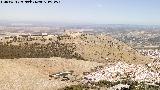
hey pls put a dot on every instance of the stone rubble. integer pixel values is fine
(121, 70)
(119, 87)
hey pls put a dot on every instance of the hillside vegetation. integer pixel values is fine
(102, 48)
(37, 50)
(99, 48)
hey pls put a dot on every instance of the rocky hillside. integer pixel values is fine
(121, 76)
(120, 71)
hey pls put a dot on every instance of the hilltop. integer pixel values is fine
(103, 48)
(89, 47)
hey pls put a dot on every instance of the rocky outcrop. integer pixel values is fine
(121, 70)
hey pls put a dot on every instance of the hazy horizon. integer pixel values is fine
(137, 12)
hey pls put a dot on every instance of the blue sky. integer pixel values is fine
(86, 11)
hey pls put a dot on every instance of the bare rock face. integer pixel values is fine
(121, 70)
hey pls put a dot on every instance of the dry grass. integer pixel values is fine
(32, 74)
(101, 48)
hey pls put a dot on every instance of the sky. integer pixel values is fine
(86, 11)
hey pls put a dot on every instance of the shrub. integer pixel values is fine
(39, 51)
